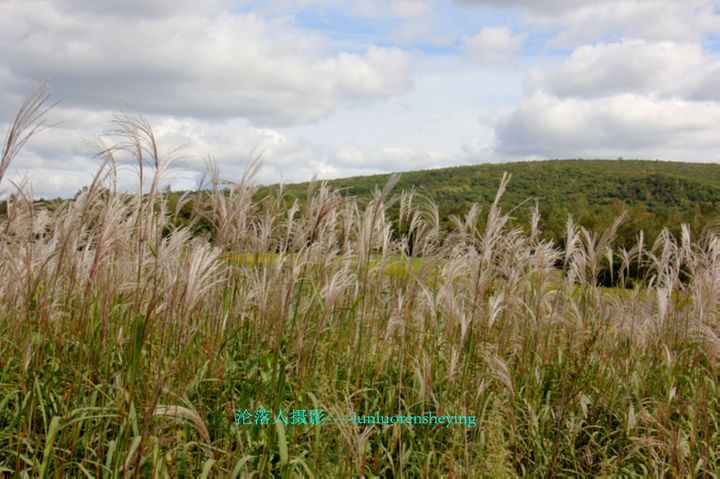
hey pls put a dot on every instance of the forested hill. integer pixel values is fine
(655, 194)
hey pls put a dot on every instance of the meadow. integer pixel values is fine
(128, 344)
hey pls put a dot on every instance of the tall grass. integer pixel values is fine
(127, 344)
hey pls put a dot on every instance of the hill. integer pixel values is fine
(655, 194)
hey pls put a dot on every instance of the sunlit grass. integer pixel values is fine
(127, 345)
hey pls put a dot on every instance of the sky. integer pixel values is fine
(329, 88)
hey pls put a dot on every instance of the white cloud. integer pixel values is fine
(630, 125)
(476, 149)
(193, 65)
(663, 69)
(706, 88)
(288, 156)
(389, 159)
(655, 20)
(142, 8)
(364, 8)
(232, 145)
(492, 44)
(546, 5)
(580, 21)
(632, 98)
(395, 8)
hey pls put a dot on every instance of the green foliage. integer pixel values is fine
(133, 327)
(655, 194)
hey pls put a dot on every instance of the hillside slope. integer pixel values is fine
(655, 194)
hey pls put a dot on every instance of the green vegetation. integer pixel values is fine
(128, 343)
(653, 194)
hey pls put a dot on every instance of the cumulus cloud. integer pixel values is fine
(142, 8)
(547, 5)
(389, 159)
(635, 93)
(492, 44)
(223, 66)
(580, 21)
(625, 124)
(287, 156)
(706, 88)
(395, 8)
(232, 145)
(663, 69)
(365, 8)
(655, 20)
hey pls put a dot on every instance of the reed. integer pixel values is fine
(128, 344)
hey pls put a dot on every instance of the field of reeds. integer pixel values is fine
(128, 344)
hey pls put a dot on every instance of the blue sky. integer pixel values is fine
(329, 88)
(440, 29)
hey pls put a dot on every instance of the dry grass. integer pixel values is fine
(127, 344)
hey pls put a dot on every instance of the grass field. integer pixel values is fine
(128, 347)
